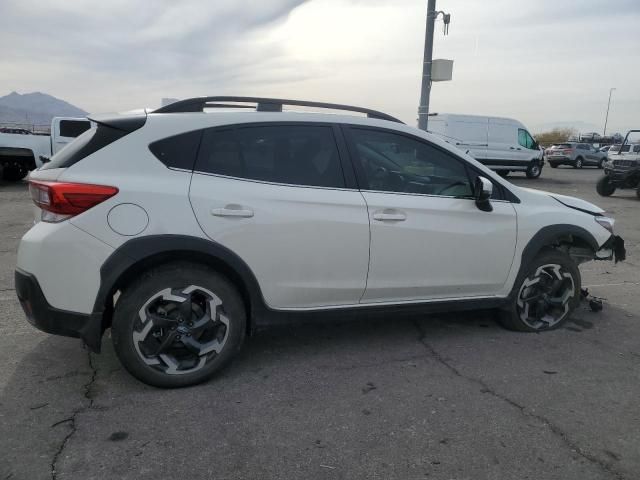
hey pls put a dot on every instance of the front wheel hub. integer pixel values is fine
(545, 296)
(178, 330)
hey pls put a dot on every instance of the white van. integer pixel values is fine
(502, 144)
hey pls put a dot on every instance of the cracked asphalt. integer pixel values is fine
(438, 397)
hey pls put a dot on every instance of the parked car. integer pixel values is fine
(21, 151)
(577, 155)
(622, 170)
(502, 144)
(184, 231)
(589, 137)
(605, 149)
(15, 130)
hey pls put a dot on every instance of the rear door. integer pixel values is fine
(428, 238)
(277, 196)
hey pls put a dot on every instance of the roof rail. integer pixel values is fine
(198, 104)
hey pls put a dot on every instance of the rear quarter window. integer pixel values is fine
(178, 151)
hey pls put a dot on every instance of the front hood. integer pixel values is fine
(571, 202)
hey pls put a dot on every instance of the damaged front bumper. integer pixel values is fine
(613, 248)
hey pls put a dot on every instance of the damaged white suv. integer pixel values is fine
(186, 228)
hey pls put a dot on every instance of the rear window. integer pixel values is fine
(73, 128)
(89, 142)
(562, 145)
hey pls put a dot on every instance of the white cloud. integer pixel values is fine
(541, 62)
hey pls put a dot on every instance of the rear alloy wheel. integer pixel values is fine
(605, 187)
(534, 171)
(178, 325)
(546, 295)
(577, 163)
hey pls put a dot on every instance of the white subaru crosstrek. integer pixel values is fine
(184, 230)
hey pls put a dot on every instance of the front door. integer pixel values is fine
(428, 238)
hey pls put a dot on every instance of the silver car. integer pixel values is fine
(575, 154)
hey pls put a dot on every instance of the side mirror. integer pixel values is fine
(483, 189)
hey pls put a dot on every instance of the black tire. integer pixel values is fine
(534, 171)
(638, 191)
(553, 165)
(604, 187)
(503, 173)
(13, 173)
(223, 315)
(549, 267)
(579, 163)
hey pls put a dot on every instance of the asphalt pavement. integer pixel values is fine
(438, 397)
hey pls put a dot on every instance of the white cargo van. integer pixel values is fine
(502, 144)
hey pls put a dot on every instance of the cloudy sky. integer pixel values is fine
(543, 62)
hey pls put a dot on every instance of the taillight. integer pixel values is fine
(61, 200)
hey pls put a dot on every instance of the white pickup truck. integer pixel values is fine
(22, 151)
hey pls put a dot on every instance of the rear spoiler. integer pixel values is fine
(127, 122)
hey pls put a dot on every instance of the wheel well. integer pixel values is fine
(134, 271)
(577, 247)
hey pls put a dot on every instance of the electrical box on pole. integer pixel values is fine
(441, 70)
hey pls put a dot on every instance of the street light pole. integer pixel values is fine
(606, 119)
(425, 92)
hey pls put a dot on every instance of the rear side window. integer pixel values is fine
(89, 142)
(178, 151)
(73, 128)
(290, 154)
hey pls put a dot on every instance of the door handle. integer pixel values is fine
(390, 216)
(232, 211)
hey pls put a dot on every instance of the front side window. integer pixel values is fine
(525, 139)
(396, 163)
(291, 154)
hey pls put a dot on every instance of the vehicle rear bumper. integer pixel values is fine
(53, 320)
(560, 160)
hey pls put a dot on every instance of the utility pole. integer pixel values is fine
(425, 92)
(606, 119)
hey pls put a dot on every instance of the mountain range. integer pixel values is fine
(35, 108)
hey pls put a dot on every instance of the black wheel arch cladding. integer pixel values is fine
(552, 234)
(139, 254)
